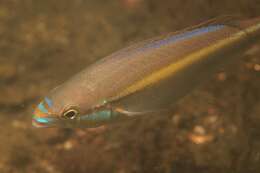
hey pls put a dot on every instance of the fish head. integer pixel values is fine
(70, 108)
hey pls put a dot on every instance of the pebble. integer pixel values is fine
(68, 145)
(199, 135)
(200, 139)
(212, 119)
(257, 67)
(222, 76)
(199, 130)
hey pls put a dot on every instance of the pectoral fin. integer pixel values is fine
(138, 113)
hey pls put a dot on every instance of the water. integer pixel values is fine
(214, 129)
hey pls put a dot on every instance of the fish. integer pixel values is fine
(146, 77)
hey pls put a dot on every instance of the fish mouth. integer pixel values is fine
(40, 119)
(41, 114)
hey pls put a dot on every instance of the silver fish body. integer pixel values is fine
(153, 74)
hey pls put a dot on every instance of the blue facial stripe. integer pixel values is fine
(182, 36)
(43, 120)
(42, 108)
(48, 101)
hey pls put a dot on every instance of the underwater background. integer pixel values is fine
(215, 129)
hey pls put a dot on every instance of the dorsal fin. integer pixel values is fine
(229, 20)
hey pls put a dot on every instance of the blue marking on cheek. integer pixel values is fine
(48, 101)
(42, 120)
(42, 108)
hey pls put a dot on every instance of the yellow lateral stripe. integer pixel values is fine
(177, 66)
(254, 28)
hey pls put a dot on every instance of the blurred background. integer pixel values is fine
(215, 129)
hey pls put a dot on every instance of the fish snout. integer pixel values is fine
(41, 115)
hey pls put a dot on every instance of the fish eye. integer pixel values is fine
(70, 113)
